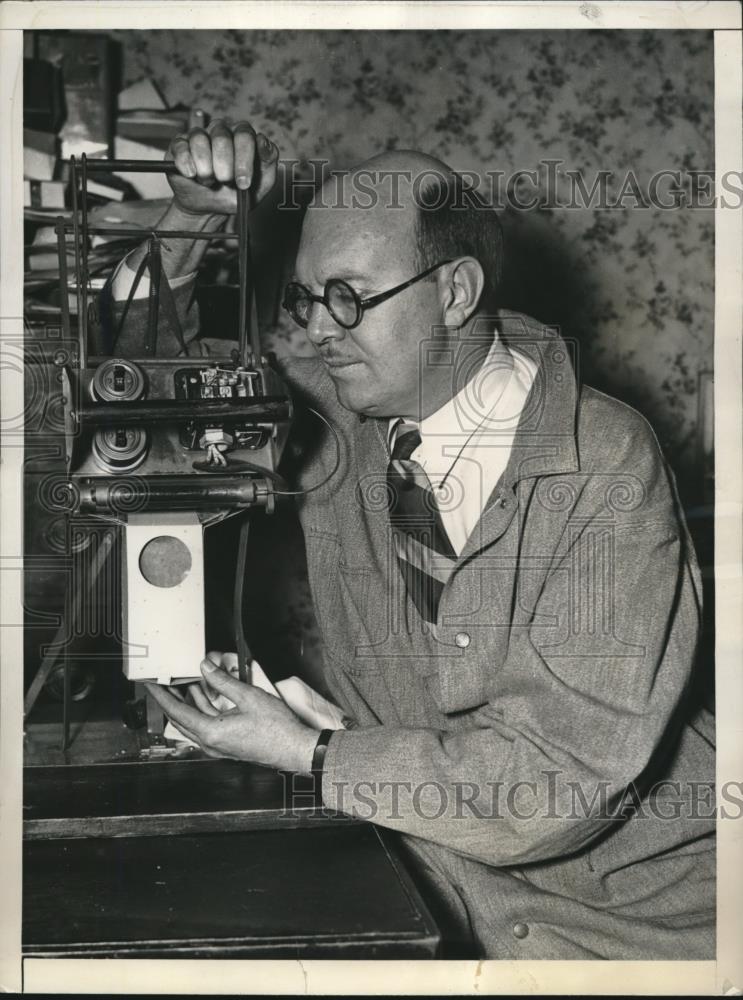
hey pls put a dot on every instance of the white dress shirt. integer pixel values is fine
(123, 276)
(465, 445)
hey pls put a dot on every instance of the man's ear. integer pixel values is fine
(461, 284)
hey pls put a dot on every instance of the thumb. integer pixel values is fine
(218, 678)
(227, 661)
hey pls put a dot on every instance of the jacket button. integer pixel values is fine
(462, 640)
(520, 930)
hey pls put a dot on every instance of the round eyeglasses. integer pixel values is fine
(343, 303)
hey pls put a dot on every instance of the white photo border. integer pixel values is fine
(723, 976)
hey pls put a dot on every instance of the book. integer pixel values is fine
(107, 186)
(46, 236)
(46, 215)
(43, 194)
(43, 264)
(47, 260)
(39, 154)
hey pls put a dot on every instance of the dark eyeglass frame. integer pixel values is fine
(361, 304)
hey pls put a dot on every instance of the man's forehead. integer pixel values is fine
(355, 236)
(353, 217)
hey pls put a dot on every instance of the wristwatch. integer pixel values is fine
(318, 759)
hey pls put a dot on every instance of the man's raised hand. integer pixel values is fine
(213, 162)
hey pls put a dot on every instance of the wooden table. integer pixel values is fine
(198, 859)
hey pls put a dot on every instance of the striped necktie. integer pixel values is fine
(424, 552)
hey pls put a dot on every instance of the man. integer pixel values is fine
(508, 596)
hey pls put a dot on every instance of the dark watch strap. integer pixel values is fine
(318, 758)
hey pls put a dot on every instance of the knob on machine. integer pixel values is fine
(118, 379)
(121, 449)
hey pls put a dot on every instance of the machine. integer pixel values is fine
(161, 448)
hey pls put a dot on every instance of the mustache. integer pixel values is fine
(333, 357)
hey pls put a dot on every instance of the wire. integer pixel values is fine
(103, 517)
(336, 466)
(222, 515)
(243, 652)
(236, 465)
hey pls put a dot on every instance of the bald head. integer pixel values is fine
(400, 178)
(414, 206)
(391, 183)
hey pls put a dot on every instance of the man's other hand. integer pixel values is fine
(260, 728)
(215, 161)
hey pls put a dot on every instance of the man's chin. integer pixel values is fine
(357, 399)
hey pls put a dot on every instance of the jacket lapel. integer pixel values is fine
(544, 443)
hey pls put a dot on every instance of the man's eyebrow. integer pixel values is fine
(361, 276)
(344, 274)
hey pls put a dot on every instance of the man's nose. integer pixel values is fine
(322, 327)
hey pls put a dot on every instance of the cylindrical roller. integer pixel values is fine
(256, 410)
(132, 495)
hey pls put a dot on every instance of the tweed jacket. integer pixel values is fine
(536, 748)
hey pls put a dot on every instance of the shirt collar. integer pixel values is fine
(545, 441)
(486, 390)
(549, 415)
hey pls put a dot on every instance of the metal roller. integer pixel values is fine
(134, 495)
(257, 410)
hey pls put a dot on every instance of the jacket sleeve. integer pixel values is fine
(574, 726)
(127, 339)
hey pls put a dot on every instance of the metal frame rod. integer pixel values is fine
(255, 338)
(243, 265)
(82, 346)
(66, 707)
(64, 297)
(141, 233)
(83, 319)
(132, 166)
(153, 297)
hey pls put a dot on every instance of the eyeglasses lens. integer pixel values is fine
(297, 303)
(342, 302)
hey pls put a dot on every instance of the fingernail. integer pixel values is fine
(208, 667)
(242, 181)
